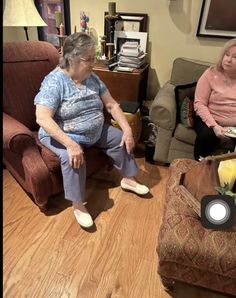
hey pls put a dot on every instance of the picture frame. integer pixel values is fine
(217, 19)
(50, 33)
(136, 22)
(139, 19)
(122, 36)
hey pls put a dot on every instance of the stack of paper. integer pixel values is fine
(131, 55)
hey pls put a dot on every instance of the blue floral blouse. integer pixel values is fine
(79, 109)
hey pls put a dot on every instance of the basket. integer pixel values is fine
(135, 123)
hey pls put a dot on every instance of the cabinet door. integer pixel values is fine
(124, 85)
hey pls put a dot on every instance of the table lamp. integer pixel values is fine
(22, 13)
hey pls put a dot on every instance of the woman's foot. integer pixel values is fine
(130, 184)
(82, 216)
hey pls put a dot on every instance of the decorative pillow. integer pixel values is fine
(184, 95)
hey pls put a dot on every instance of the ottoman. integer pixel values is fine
(187, 251)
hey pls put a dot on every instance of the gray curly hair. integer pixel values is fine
(229, 44)
(75, 45)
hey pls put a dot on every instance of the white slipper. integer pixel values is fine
(139, 189)
(84, 218)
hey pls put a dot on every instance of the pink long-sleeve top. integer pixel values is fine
(215, 99)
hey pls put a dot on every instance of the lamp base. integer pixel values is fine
(26, 33)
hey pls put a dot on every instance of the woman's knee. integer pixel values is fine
(116, 136)
(64, 157)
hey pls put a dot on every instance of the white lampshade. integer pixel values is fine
(21, 13)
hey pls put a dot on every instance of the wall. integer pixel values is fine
(172, 32)
(18, 34)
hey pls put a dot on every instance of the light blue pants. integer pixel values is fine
(74, 180)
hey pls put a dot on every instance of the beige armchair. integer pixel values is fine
(174, 140)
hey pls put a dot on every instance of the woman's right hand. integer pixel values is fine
(76, 155)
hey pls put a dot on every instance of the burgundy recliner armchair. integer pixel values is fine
(36, 168)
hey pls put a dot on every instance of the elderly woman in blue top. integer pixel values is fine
(69, 110)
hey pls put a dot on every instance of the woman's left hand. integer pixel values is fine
(128, 141)
(220, 132)
(114, 109)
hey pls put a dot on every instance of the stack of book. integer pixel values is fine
(131, 55)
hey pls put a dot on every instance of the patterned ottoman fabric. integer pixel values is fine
(187, 251)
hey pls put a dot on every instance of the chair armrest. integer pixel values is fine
(16, 136)
(163, 108)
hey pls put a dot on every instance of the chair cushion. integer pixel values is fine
(186, 71)
(185, 134)
(51, 160)
(184, 95)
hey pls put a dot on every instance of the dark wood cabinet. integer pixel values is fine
(130, 86)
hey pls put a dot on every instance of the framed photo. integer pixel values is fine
(136, 22)
(217, 19)
(123, 36)
(123, 25)
(47, 9)
(129, 20)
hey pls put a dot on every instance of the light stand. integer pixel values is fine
(111, 19)
(26, 33)
(111, 25)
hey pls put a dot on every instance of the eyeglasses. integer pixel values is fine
(89, 60)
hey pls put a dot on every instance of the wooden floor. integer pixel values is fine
(49, 255)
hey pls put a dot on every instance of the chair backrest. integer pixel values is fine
(187, 71)
(25, 64)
